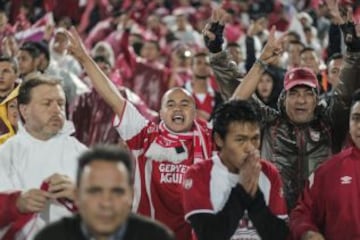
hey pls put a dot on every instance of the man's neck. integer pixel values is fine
(38, 135)
(5, 93)
(200, 85)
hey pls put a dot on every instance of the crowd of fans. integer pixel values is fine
(196, 91)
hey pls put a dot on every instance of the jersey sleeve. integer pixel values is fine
(302, 218)
(196, 190)
(277, 203)
(132, 126)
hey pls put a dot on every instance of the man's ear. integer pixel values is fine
(161, 113)
(76, 196)
(218, 140)
(23, 111)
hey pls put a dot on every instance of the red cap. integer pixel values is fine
(300, 76)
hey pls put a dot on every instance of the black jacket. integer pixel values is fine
(138, 228)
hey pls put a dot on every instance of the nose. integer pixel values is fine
(56, 108)
(249, 146)
(301, 98)
(106, 200)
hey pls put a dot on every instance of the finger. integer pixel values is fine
(225, 18)
(61, 194)
(36, 206)
(210, 35)
(60, 187)
(40, 197)
(349, 15)
(216, 15)
(271, 38)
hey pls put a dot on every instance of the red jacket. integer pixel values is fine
(330, 203)
(8, 212)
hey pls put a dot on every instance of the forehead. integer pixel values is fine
(177, 94)
(238, 128)
(300, 88)
(46, 91)
(335, 63)
(355, 109)
(309, 54)
(201, 58)
(24, 53)
(101, 171)
(5, 64)
(60, 36)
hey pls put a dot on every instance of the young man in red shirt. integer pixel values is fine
(235, 195)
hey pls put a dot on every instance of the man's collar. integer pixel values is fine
(118, 234)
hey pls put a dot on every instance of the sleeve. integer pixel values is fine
(334, 40)
(227, 78)
(132, 126)
(302, 217)
(199, 211)
(341, 99)
(9, 213)
(129, 56)
(222, 225)
(250, 52)
(226, 73)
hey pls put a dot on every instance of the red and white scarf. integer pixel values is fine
(170, 146)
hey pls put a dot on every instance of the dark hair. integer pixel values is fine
(102, 59)
(107, 153)
(232, 44)
(307, 49)
(294, 34)
(200, 54)
(156, 43)
(24, 96)
(33, 51)
(10, 60)
(355, 97)
(307, 29)
(233, 111)
(335, 56)
(42, 46)
(297, 42)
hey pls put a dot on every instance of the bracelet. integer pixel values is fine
(262, 64)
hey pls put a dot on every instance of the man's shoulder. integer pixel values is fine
(69, 226)
(150, 229)
(200, 167)
(333, 162)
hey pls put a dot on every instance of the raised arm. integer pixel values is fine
(225, 71)
(101, 82)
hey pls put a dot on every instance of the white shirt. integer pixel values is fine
(26, 162)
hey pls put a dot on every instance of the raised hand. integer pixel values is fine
(75, 45)
(272, 49)
(334, 11)
(213, 31)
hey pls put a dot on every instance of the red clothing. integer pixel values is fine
(100, 32)
(92, 117)
(207, 188)
(161, 160)
(330, 203)
(149, 80)
(8, 211)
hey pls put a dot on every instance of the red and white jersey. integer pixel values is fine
(159, 168)
(208, 184)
